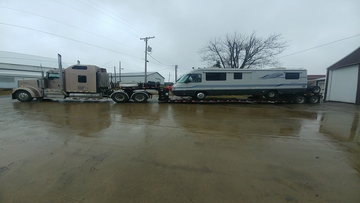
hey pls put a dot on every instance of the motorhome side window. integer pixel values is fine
(52, 76)
(215, 76)
(237, 76)
(82, 79)
(292, 76)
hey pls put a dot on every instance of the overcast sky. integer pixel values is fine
(108, 31)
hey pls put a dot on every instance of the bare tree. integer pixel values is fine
(242, 51)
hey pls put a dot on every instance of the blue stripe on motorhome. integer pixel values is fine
(223, 86)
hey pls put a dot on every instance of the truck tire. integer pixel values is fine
(314, 99)
(200, 95)
(120, 97)
(140, 97)
(271, 94)
(23, 96)
(299, 99)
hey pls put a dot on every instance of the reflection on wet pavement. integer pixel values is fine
(71, 151)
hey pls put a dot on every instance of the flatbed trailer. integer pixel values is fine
(164, 97)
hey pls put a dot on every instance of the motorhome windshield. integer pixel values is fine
(190, 78)
(183, 79)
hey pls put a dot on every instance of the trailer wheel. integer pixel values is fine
(314, 99)
(299, 99)
(271, 94)
(120, 97)
(200, 95)
(316, 89)
(140, 97)
(23, 96)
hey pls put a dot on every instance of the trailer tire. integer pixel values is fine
(200, 95)
(314, 99)
(23, 96)
(316, 89)
(120, 97)
(299, 99)
(271, 94)
(140, 97)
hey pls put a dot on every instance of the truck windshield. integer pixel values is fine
(52, 76)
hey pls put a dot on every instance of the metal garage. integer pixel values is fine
(343, 80)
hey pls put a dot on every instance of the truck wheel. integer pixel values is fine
(299, 99)
(120, 97)
(200, 95)
(140, 97)
(314, 99)
(23, 96)
(316, 89)
(271, 94)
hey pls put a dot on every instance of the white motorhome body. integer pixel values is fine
(268, 82)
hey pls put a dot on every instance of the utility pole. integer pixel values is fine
(176, 67)
(146, 44)
(119, 72)
(115, 75)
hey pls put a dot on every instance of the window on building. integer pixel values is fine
(292, 76)
(237, 76)
(80, 67)
(215, 76)
(7, 79)
(82, 79)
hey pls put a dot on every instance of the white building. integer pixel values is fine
(16, 66)
(343, 79)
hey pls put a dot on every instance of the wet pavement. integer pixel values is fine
(72, 151)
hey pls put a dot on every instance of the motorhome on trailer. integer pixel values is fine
(271, 83)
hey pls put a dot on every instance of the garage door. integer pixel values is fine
(342, 84)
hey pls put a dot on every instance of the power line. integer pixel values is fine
(159, 61)
(163, 44)
(320, 46)
(96, 17)
(69, 26)
(18, 26)
(128, 23)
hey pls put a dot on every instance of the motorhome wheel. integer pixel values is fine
(200, 95)
(271, 94)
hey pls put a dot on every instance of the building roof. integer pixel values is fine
(351, 59)
(314, 77)
(26, 59)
